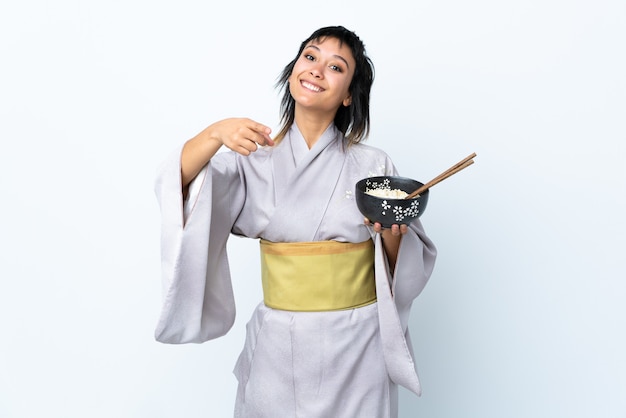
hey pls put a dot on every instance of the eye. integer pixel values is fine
(336, 68)
(309, 57)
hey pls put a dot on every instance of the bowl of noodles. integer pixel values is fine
(382, 199)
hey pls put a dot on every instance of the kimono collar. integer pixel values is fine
(300, 149)
(304, 181)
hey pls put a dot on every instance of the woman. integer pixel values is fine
(330, 338)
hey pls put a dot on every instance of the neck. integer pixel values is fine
(312, 125)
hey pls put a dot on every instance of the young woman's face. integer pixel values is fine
(321, 76)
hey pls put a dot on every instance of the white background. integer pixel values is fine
(524, 315)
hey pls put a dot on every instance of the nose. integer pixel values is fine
(316, 71)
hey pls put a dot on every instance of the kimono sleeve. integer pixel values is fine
(414, 264)
(198, 303)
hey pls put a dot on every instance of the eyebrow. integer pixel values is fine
(336, 56)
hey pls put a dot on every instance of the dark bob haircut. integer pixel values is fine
(354, 120)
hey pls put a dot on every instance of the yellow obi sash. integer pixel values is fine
(317, 276)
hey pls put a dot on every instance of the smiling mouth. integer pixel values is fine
(311, 87)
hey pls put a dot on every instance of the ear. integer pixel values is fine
(347, 101)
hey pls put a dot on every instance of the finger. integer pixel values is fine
(395, 230)
(259, 127)
(263, 140)
(404, 229)
(261, 133)
(245, 146)
(242, 150)
(248, 145)
(267, 140)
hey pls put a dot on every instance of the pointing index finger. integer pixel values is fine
(264, 131)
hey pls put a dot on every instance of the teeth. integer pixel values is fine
(311, 86)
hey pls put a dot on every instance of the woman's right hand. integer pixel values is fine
(241, 135)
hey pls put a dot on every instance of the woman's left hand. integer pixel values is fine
(391, 238)
(395, 230)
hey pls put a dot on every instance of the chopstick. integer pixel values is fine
(465, 162)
